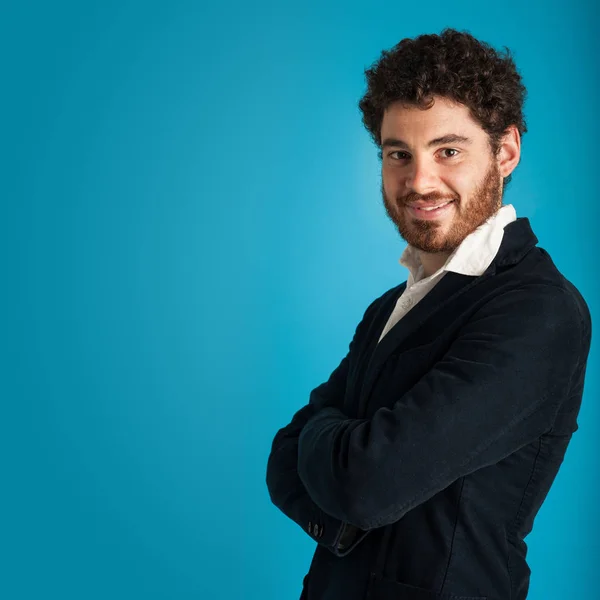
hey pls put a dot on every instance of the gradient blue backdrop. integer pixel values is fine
(192, 229)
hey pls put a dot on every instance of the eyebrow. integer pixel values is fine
(450, 138)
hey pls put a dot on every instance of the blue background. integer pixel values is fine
(192, 229)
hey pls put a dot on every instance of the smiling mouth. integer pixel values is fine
(432, 208)
(430, 213)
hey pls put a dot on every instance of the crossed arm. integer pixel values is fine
(497, 389)
(286, 490)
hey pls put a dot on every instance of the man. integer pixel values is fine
(419, 466)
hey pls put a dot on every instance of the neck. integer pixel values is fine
(432, 262)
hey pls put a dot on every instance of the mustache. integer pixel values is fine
(433, 197)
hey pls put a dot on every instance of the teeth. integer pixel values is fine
(436, 207)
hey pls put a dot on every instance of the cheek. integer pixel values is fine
(465, 179)
(391, 183)
(460, 184)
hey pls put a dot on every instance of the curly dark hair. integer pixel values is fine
(453, 64)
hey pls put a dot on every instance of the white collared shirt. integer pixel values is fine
(472, 257)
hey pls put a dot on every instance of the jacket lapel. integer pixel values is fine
(517, 241)
(447, 289)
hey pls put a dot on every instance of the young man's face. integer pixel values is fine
(415, 173)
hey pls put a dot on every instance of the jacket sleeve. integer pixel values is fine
(496, 389)
(286, 490)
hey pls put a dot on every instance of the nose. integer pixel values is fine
(421, 177)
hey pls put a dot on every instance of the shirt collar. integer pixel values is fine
(474, 254)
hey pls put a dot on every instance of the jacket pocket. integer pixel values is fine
(387, 589)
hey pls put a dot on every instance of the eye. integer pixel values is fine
(450, 150)
(391, 155)
(404, 155)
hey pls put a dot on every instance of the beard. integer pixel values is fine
(435, 236)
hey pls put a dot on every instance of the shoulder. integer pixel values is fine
(541, 275)
(537, 291)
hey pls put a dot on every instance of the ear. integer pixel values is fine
(509, 152)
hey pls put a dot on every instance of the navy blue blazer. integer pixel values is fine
(419, 465)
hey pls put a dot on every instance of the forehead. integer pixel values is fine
(445, 116)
